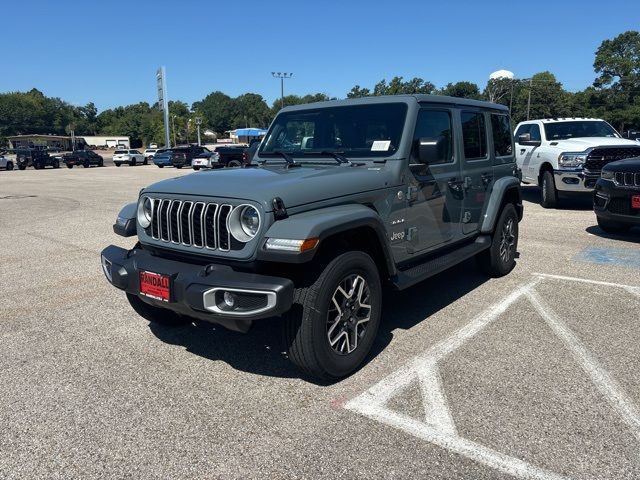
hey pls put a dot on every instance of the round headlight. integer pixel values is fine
(244, 223)
(145, 208)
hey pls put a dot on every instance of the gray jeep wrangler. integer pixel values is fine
(343, 197)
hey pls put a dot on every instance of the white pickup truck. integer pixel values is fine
(565, 155)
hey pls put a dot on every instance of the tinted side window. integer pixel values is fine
(501, 135)
(434, 124)
(474, 135)
(535, 132)
(522, 129)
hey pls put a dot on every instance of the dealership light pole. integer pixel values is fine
(163, 102)
(173, 122)
(281, 76)
(198, 123)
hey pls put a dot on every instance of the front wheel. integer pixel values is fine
(332, 325)
(56, 163)
(86, 164)
(22, 167)
(132, 163)
(234, 164)
(612, 227)
(160, 166)
(178, 166)
(196, 168)
(117, 164)
(69, 166)
(145, 162)
(549, 193)
(500, 258)
(9, 165)
(157, 315)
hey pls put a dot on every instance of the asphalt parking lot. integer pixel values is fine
(534, 375)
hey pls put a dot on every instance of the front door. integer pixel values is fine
(435, 192)
(525, 153)
(476, 165)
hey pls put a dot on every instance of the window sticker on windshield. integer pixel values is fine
(380, 145)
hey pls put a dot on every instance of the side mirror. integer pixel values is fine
(525, 139)
(431, 149)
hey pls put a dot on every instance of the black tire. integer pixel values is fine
(196, 168)
(22, 167)
(86, 164)
(145, 162)
(69, 166)
(178, 166)
(500, 258)
(548, 191)
(9, 166)
(117, 164)
(160, 316)
(612, 227)
(307, 327)
(160, 166)
(132, 163)
(56, 163)
(101, 163)
(234, 164)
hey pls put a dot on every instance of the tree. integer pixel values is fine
(498, 89)
(358, 92)
(462, 90)
(217, 110)
(250, 110)
(548, 98)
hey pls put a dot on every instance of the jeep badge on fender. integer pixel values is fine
(311, 231)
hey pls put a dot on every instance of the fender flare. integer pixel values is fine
(323, 223)
(125, 225)
(494, 205)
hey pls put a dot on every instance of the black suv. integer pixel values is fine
(35, 157)
(179, 156)
(86, 158)
(616, 200)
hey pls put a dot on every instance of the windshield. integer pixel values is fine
(578, 129)
(121, 151)
(355, 131)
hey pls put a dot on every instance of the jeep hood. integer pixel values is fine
(296, 186)
(581, 144)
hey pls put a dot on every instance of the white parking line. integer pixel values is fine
(438, 426)
(612, 391)
(630, 288)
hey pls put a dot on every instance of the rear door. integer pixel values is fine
(477, 167)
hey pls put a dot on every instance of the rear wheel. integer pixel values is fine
(145, 162)
(234, 164)
(332, 325)
(22, 167)
(612, 227)
(196, 168)
(160, 166)
(9, 165)
(101, 163)
(500, 258)
(86, 164)
(549, 193)
(178, 166)
(69, 165)
(56, 163)
(117, 164)
(157, 315)
(132, 162)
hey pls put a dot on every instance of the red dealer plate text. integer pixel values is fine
(155, 285)
(635, 201)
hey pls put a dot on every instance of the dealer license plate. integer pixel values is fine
(635, 201)
(155, 285)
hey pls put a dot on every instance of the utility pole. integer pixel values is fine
(198, 122)
(188, 122)
(163, 102)
(529, 101)
(281, 76)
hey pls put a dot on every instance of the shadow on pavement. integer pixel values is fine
(632, 235)
(261, 350)
(573, 202)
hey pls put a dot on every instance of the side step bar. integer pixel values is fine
(413, 275)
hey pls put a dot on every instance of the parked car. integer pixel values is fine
(153, 146)
(37, 158)
(5, 163)
(86, 158)
(414, 185)
(178, 156)
(206, 160)
(616, 200)
(251, 151)
(129, 157)
(149, 153)
(565, 155)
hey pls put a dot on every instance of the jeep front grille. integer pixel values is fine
(196, 224)
(599, 157)
(627, 179)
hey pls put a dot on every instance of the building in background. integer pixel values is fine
(245, 135)
(64, 143)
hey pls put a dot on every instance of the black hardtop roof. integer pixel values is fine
(418, 98)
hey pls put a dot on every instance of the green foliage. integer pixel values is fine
(461, 90)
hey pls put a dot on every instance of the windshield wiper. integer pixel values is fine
(338, 156)
(288, 158)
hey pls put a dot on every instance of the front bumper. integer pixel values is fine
(194, 288)
(614, 203)
(165, 162)
(575, 180)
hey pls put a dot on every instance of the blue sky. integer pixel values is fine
(108, 52)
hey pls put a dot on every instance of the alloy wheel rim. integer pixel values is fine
(507, 240)
(349, 313)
